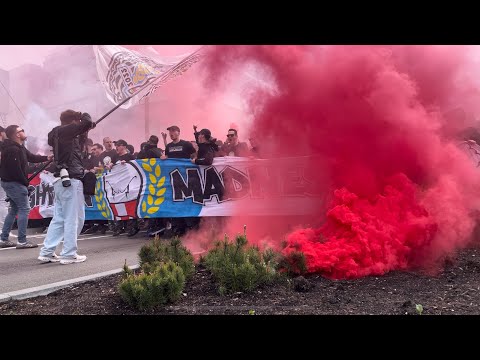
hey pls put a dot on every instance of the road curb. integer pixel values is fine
(49, 288)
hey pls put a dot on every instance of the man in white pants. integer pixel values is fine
(69, 205)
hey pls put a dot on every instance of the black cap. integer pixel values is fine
(206, 133)
(120, 142)
(153, 139)
(173, 128)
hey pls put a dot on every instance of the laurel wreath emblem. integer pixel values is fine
(101, 201)
(151, 203)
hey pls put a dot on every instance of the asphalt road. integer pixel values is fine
(20, 269)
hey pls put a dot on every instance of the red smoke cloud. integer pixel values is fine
(403, 195)
(364, 236)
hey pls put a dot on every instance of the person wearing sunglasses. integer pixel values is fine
(233, 147)
(13, 172)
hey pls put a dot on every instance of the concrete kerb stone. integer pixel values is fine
(49, 288)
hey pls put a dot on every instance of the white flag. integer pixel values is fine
(126, 72)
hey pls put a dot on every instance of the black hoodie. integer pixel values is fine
(206, 153)
(69, 147)
(150, 151)
(15, 157)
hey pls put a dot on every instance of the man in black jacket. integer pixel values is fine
(206, 147)
(69, 205)
(13, 172)
(233, 147)
(150, 149)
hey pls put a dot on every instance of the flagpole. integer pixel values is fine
(115, 108)
(147, 118)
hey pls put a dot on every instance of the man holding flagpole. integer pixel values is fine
(69, 205)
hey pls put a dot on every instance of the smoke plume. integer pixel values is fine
(402, 194)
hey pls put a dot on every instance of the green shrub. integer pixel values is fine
(126, 270)
(159, 252)
(148, 290)
(237, 267)
(293, 264)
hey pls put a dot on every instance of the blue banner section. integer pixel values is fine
(141, 188)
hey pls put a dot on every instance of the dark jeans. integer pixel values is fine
(181, 225)
(19, 205)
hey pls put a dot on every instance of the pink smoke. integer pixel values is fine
(375, 114)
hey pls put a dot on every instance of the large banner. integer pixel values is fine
(177, 188)
(41, 196)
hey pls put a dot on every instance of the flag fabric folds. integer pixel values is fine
(126, 73)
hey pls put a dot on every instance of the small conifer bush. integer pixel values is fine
(158, 252)
(238, 267)
(293, 263)
(149, 290)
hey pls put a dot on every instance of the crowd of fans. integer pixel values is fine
(100, 157)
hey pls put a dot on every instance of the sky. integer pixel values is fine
(184, 101)
(12, 56)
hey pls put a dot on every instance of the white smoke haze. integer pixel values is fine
(68, 80)
(37, 135)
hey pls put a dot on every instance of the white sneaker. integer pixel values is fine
(6, 244)
(47, 259)
(75, 259)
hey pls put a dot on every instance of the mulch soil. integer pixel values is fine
(455, 290)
